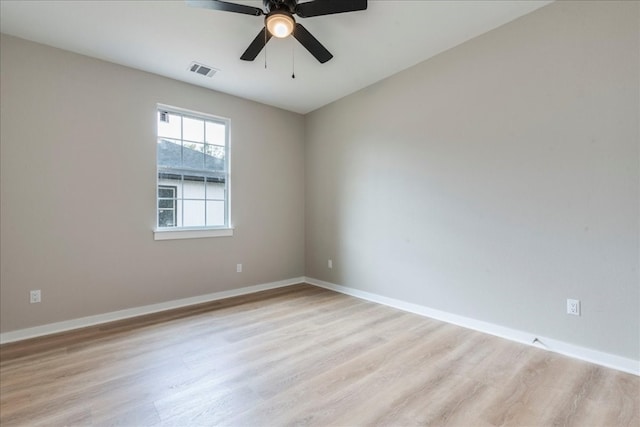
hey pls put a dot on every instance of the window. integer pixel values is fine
(192, 171)
(167, 215)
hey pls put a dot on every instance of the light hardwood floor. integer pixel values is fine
(305, 356)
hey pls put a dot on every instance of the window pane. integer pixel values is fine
(166, 204)
(169, 153)
(215, 190)
(166, 192)
(166, 218)
(193, 215)
(215, 213)
(193, 129)
(193, 187)
(170, 127)
(193, 155)
(214, 158)
(216, 133)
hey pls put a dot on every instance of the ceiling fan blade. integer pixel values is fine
(226, 6)
(256, 45)
(311, 44)
(328, 7)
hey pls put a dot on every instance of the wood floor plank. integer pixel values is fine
(301, 355)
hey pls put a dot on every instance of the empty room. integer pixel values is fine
(320, 212)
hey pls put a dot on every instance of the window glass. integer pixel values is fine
(167, 206)
(169, 125)
(192, 170)
(216, 133)
(193, 129)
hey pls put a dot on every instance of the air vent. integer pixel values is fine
(202, 69)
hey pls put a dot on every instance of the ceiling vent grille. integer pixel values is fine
(202, 69)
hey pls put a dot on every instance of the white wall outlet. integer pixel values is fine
(35, 296)
(330, 264)
(238, 268)
(573, 307)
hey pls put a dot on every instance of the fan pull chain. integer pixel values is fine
(265, 48)
(293, 60)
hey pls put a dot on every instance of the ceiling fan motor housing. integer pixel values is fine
(275, 5)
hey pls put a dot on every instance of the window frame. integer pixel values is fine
(189, 232)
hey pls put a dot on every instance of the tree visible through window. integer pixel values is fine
(192, 170)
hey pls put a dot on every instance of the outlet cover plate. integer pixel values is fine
(35, 296)
(573, 307)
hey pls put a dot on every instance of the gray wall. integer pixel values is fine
(78, 193)
(495, 180)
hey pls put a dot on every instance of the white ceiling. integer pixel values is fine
(164, 37)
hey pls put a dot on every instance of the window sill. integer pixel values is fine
(193, 233)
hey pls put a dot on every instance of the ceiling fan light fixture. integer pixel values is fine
(280, 24)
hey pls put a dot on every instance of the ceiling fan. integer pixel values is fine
(280, 23)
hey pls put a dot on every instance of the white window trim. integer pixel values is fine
(195, 233)
(198, 232)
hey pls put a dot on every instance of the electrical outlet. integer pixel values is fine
(35, 296)
(238, 268)
(330, 264)
(573, 307)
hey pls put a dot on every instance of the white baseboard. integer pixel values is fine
(594, 356)
(67, 325)
(589, 355)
